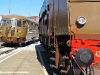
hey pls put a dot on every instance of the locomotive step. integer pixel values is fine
(65, 71)
(53, 59)
(52, 51)
(62, 65)
(52, 44)
(65, 57)
(52, 37)
(52, 66)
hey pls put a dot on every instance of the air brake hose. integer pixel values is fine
(79, 65)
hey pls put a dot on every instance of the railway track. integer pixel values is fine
(5, 50)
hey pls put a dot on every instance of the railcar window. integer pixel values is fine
(24, 23)
(19, 23)
(4, 22)
(8, 21)
(14, 23)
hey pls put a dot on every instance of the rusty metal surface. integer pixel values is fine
(91, 14)
(63, 13)
(61, 17)
(57, 54)
(89, 36)
(65, 9)
(57, 9)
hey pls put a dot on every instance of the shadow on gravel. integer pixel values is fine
(46, 60)
(9, 45)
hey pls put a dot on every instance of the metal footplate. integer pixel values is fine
(52, 51)
(53, 59)
(52, 66)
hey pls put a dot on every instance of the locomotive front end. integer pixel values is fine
(14, 29)
(70, 30)
(84, 28)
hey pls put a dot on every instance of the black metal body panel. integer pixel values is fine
(58, 9)
(62, 17)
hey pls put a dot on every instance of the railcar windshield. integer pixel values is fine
(83, 0)
(13, 22)
(8, 21)
(4, 22)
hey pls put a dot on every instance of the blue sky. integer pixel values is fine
(21, 7)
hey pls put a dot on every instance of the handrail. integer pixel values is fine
(76, 35)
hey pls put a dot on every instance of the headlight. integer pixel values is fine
(19, 31)
(13, 28)
(81, 20)
(0, 30)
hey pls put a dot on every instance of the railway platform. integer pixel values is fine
(26, 61)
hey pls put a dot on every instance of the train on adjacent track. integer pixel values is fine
(14, 28)
(70, 30)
